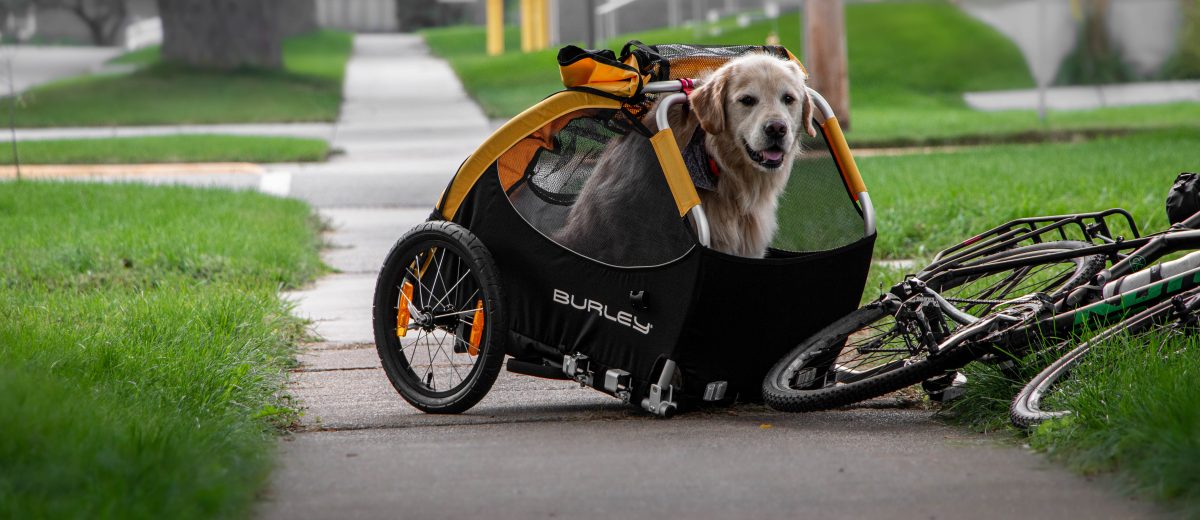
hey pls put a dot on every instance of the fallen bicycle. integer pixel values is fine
(995, 298)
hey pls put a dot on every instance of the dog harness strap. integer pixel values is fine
(687, 86)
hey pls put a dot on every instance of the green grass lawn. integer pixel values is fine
(928, 202)
(167, 149)
(143, 347)
(309, 89)
(910, 62)
(1138, 408)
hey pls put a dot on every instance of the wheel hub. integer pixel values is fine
(423, 320)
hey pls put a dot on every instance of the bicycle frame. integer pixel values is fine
(1145, 252)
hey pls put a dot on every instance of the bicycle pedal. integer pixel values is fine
(945, 388)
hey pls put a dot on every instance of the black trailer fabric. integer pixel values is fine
(570, 304)
(747, 313)
(720, 317)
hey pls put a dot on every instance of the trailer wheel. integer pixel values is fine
(439, 320)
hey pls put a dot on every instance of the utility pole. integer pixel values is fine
(591, 23)
(825, 55)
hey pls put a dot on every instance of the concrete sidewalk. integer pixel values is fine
(1088, 97)
(543, 449)
(324, 131)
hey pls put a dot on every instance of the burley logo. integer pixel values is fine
(586, 305)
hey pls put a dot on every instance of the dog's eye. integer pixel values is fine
(748, 100)
(788, 99)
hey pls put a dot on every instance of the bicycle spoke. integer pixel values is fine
(452, 366)
(437, 260)
(447, 295)
(441, 348)
(421, 289)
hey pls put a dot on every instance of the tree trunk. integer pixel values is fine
(104, 19)
(105, 29)
(300, 17)
(223, 34)
(825, 55)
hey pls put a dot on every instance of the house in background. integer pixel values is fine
(60, 26)
(1144, 32)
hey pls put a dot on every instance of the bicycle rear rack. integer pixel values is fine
(1092, 227)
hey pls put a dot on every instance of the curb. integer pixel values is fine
(52, 171)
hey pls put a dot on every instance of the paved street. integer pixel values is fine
(35, 64)
(543, 449)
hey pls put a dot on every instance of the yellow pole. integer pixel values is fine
(544, 14)
(539, 7)
(495, 27)
(526, 25)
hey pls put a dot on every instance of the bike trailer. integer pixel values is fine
(693, 325)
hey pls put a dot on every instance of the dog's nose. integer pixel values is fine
(775, 129)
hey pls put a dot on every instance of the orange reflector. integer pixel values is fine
(476, 329)
(402, 309)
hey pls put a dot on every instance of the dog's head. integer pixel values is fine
(760, 103)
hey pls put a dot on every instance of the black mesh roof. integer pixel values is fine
(688, 61)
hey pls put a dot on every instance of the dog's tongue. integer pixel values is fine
(772, 154)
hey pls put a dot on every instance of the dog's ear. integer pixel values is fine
(808, 108)
(708, 103)
(807, 114)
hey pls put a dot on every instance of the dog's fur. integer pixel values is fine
(742, 107)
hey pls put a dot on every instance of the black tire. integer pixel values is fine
(817, 375)
(822, 391)
(456, 276)
(1054, 278)
(1026, 410)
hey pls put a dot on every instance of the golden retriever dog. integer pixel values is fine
(751, 113)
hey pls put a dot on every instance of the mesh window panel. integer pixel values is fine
(631, 221)
(816, 212)
(690, 61)
(558, 174)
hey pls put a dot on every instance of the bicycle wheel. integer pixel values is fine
(886, 345)
(1026, 410)
(866, 354)
(438, 318)
(978, 294)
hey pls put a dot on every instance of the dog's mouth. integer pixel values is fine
(769, 157)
